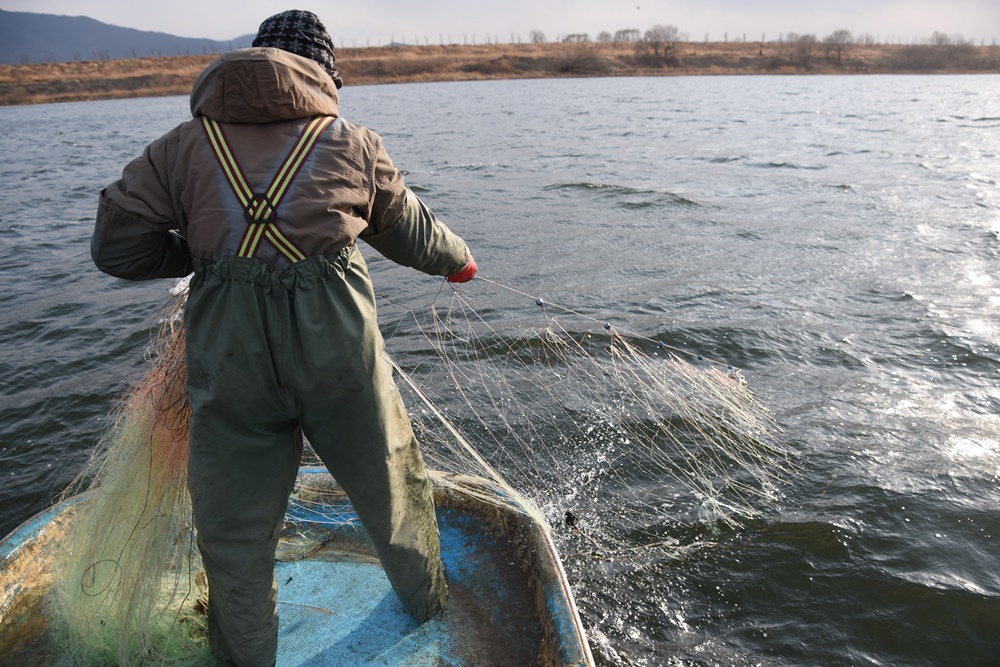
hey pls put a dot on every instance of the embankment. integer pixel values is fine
(109, 79)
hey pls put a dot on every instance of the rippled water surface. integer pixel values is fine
(834, 237)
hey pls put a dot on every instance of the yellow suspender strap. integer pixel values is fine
(260, 209)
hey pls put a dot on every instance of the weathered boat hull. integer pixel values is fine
(509, 601)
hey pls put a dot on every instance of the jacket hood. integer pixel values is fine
(262, 85)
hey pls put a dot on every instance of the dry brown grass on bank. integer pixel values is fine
(99, 79)
(93, 80)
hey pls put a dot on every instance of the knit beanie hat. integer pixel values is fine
(303, 34)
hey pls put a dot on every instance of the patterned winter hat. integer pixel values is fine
(303, 34)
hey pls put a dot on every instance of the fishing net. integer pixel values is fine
(600, 430)
(127, 585)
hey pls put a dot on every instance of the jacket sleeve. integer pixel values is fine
(405, 231)
(136, 231)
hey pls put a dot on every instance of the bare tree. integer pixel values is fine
(536, 37)
(578, 38)
(661, 40)
(838, 41)
(627, 35)
(942, 39)
(803, 47)
(604, 37)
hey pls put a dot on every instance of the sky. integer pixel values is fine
(378, 22)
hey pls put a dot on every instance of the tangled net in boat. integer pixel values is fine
(127, 584)
(563, 423)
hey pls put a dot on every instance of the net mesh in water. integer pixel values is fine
(616, 428)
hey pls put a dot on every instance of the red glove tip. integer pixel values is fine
(466, 274)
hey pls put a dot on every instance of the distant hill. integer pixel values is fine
(37, 38)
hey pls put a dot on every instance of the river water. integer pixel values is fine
(836, 238)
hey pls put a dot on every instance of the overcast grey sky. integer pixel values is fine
(374, 22)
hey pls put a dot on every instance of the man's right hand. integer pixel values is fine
(466, 274)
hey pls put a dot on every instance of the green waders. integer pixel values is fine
(272, 356)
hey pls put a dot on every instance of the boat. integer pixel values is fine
(509, 599)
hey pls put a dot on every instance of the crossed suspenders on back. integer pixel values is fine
(260, 209)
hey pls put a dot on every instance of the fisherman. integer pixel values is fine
(263, 196)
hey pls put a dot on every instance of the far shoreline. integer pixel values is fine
(147, 77)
